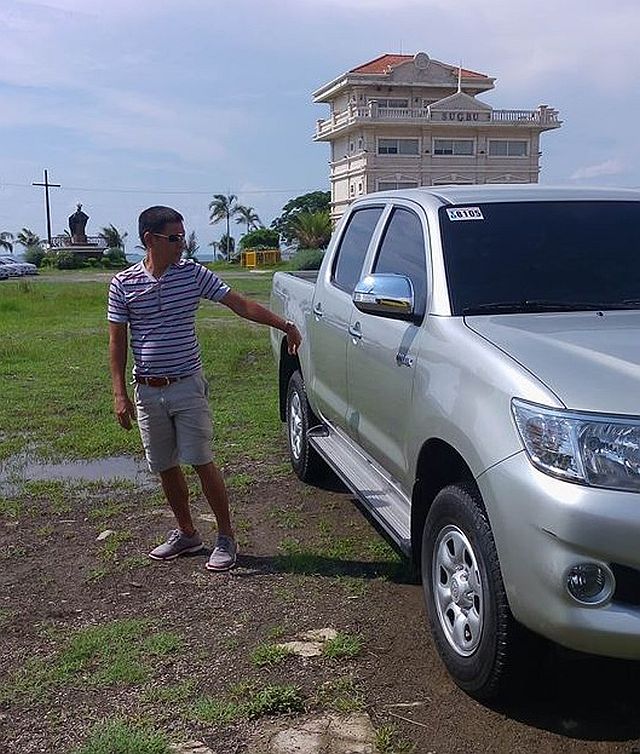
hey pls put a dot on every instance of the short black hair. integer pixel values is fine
(154, 219)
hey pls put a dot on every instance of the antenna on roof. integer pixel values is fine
(460, 77)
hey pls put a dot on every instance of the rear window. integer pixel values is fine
(508, 256)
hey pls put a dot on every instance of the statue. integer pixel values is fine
(77, 224)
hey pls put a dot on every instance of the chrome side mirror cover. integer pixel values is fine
(386, 295)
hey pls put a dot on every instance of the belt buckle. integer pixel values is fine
(167, 381)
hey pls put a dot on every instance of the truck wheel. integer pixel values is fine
(475, 633)
(304, 459)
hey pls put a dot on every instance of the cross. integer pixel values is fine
(47, 185)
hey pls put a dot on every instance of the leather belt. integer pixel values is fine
(158, 381)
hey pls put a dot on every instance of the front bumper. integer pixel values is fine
(543, 526)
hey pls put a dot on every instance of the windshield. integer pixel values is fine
(542, 256)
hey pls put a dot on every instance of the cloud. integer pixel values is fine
(608, 167)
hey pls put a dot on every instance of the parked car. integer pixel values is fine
(14, 270)
(29, 269)
(470, 368)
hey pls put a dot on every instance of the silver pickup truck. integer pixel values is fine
(471, 370)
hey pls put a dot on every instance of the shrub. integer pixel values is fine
(260, 238)
(67, 260)
(34, 255)
(50, 259)
(114, 258)
(307, 259)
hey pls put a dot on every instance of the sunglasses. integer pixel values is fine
(173, 237)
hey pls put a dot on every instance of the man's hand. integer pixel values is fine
(255, 312)
(124, 410)
(293, 338)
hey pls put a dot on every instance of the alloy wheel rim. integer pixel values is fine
(457, 590)
(295, 426)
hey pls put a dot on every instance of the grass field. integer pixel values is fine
(55, 377)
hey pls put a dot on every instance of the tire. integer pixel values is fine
(475, 633)
(305, 461)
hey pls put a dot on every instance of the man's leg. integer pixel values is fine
(185, 539)
(177, 493)
(215, 491)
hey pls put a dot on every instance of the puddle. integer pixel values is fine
(23, 468)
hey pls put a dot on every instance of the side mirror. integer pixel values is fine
(385, 294)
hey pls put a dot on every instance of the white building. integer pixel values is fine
(401, 121)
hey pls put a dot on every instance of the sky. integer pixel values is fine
(130, 103)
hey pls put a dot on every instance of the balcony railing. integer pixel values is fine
(65, 242)
(544, 117)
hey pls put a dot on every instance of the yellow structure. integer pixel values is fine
(259, 257)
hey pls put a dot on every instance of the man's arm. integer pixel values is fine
(255, 312)
(122, 405)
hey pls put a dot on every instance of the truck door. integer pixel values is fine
(331, 311)
(382, 351)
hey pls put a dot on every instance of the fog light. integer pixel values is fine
(590, 583)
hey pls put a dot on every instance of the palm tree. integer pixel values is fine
(312, 230)
(113, 237)
(229, 244)
(191, 247)
(27, 238)
(248, 216)
(223, 207)
(6, 239)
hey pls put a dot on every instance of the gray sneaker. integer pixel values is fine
(224, 554)
(178, 543)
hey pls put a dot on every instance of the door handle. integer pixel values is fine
(403, 359)
(355, 331)
(317, 311)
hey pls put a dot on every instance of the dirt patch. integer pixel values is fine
(192, 652)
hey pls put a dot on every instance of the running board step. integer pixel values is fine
(382, 500)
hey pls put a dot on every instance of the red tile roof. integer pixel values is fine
(384, 62)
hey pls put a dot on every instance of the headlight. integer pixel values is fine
(602, 451)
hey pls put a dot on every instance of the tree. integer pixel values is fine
(113, 237)
(248, 216)
(312, 230)
(260, 238)
(315, 201)
(228, 243)
(223, 207)
(191, 247)
(6, 240)
(32, 243)
(28, 238)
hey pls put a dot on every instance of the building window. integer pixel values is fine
(394, 185)
(392, 103)
(504, 148)
(456, 147)
(398, 146)
(360, 187)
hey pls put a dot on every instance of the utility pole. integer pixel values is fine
(46, 186)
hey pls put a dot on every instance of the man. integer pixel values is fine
(156, 300)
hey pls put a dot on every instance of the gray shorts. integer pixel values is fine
(175, 423)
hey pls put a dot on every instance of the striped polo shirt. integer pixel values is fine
(161, 315)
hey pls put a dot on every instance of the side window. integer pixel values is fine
(353, 247)
(403, 252)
